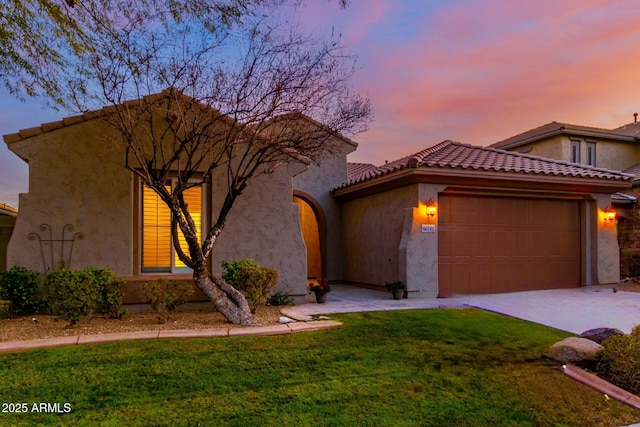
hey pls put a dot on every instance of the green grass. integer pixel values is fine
(443, 367)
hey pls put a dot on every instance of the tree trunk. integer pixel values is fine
(228, 300)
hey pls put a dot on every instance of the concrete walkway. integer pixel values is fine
(572, 310)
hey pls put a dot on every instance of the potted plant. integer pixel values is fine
(321, 289)
(397, 288)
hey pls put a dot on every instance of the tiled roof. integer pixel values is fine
(453, 155)
(633, 170)
(556, 128)
(7, 210)
(632, 129)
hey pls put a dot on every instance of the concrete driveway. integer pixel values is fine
(572, 310)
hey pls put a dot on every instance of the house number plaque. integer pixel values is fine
(428, 228)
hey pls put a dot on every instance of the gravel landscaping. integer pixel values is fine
(41, 326)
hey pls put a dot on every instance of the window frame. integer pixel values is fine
(591, 153)
(574, 151)
(172, 269)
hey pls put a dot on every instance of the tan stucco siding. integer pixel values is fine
(612, 155)
(76, 177)
(552, 148)
(372, 230)
(607, 250)
(264, 225)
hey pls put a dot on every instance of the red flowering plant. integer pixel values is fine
(320, 288)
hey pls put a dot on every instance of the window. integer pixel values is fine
(575, 152)
(158, 253)
(591, 153)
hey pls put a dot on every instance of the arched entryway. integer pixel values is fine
(313, 227)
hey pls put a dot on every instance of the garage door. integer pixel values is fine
(493, 244)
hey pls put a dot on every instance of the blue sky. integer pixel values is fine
(471, 71)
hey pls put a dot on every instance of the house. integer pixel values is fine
(84, 208)
(7, 220)
(456, 218)
(450, 219)
(614, 149)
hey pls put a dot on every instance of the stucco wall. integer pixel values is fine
(372, 229)
(608, 251)
(611, 155)
(552, 148)
(264, 224)
(75, 177)
(317, 181)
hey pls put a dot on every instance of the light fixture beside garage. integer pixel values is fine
(609, 214)
(431, 208)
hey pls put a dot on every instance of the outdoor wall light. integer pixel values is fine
(431, 208)
(609, 214)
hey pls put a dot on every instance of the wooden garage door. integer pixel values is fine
(492, 244)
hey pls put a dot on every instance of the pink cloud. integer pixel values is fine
(485, 72)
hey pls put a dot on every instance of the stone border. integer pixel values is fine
(601, 385)
(280, 329)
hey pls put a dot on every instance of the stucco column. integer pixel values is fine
(418, 250)
(607, 252)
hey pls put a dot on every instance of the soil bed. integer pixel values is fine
(26, 328)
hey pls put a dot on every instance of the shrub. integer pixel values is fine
(20, 286)
(280, 298)
(256, 283)
(4, 308)
(71, 294)
(109, 288)
(165, 296)
(619, 360)
(232, 270)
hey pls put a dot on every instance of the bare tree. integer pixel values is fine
(38, 38)
(188, 100)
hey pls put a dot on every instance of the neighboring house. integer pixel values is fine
(7, 220)
(450, 219)
(613, 149)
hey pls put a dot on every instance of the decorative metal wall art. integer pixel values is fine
(63, 247)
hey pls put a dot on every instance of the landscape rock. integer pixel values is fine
(574, 350)
(600, 334)
(283, 319)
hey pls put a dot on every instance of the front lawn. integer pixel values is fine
(421, 367)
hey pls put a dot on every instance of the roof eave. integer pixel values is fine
(476, 178)
(564, 131)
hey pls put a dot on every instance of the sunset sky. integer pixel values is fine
(471, 71)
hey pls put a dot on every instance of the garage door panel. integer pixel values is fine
(507, 244)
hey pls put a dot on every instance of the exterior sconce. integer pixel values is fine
(609, 214)
(431, 208)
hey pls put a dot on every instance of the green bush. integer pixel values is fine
(71, 294)
(109, 287)
(619, 360)
(165, 296)
(232, 270)
(5, 306)
(280, 298)
(257, 283)
(20, 286)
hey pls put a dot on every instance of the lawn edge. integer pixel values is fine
(601, 385)
(284, 329)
